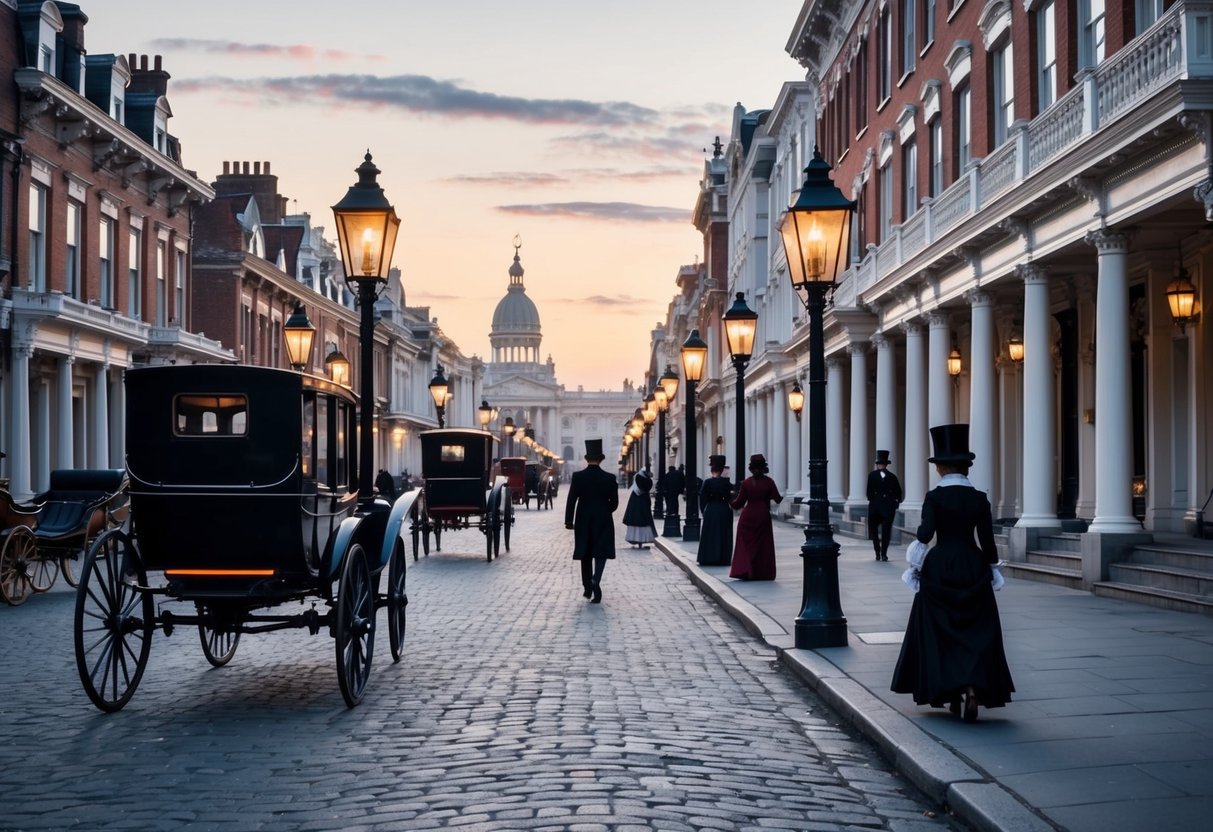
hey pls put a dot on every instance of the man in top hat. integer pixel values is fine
(592, 499)
(884, 496)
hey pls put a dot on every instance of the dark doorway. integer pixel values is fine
(1067, 498)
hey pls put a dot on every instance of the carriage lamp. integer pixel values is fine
(1015, 349)
(796, 399)
(438, 390)
(694, 354)
(366, 234)
(816, 232)
(1181, 298)
(298, 333)
(740, 323)
(338, 366)
(484, 413)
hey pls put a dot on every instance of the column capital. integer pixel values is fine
(1032, 273)
(912, 328)
(1109, 241)
(881, 341)
(979, 297)
(857, 349)
(939, 319)
(834, 362)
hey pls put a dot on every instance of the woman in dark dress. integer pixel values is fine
(716, 529)
(638, 516)
(953, 643)
(754, 551)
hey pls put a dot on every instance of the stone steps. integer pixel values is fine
(1156, 597)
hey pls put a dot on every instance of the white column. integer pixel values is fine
(1039, 402)
(66, 441)
(796, 463)
(939, 391)
(1010, 411)
(783, 442)
(917, 449)
(836, 467)
(860, 457)
(982, 425)
(117, 456)
(19, 460)
(99, 450)
(1113, 389)
(886, 394)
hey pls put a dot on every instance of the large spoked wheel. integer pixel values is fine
(42, 573)
(397, 601)
(355, 626)
(69, 565)
(17, 552)
(114, 621)
(219, 642)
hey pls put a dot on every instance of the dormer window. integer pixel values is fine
(40, 26)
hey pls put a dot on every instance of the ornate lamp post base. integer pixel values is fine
(670, 527)
(821, 622)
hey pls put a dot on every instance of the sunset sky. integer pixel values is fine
(580, 126)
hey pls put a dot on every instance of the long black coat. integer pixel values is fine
(884, 495)
(592, 499)
(716, 529)
(954, 638)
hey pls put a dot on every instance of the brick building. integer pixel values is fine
(95, 213)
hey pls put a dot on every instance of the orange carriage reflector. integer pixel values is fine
(223, 573)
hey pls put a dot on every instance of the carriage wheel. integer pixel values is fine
(114, 621)
(67, 565)
(397, 601)
(415, 531)
(42, 573)
(355, 626)
(437, 535)
(506, 522)
(16, 553)
(218, 643)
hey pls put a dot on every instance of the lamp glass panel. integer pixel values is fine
(298, 344)
(796, 399)
(693, 359)
(669, 383)
(816, 244)
(367, 240)
(739, 332)
(1181, 297)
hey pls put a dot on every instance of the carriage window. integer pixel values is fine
(322, 440)
(309, 434)
(343, 445)
(208, 415)
(452, 453)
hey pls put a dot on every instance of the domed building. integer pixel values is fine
(521, 386)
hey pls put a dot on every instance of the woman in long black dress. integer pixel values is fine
(953, 643)
(638, 516)
(716, 529)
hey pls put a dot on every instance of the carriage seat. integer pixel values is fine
(73, 496)
(455, 495)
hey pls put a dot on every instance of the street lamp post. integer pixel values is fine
(740, 322)
(438, 392)
(694, 356)
(366, 233)
(660, 403)
(816, 235)
(668, 387)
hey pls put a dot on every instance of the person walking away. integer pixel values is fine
(638, 516)
(884, 496)
(754, 551)
(591, 502)
(953, 642)
(716, 525)
(674, 483)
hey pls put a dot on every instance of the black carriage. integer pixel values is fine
(48, 535)
(462, 489)
(243, 497)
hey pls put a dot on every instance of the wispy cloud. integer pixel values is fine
(420, 94)
(514, 179)
(656, 145)
(237, 49)
(622, 211)
(606, 303)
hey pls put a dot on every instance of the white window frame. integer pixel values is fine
(1002, 81)
(1147, 13)
(1046, 56)
(1092, 29)
(928, 23)
(72, 271)
(909, 35)
(161, 283)
(179, 268)
(909, 178)
(964, 128)
(884, 222)
(39, 196)
(884, 57)
(134, 272)
(107, 242)
(936, 178)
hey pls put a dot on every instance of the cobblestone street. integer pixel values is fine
(518, 705)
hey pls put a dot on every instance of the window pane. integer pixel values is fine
(210, 415)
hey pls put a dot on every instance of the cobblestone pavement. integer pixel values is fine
(518, 705)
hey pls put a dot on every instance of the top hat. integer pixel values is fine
(593, 450)
(716, 461)
(951, 443)
(758, 462)
(882, 457)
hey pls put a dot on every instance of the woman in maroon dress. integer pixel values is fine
(754, 553)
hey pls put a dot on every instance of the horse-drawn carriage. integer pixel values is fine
(46, 536)
(243, 497)
(462, 488)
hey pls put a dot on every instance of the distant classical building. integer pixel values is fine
(520, 386)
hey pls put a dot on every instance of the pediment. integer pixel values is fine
(520, 387)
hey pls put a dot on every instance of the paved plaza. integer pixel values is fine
(518, 705)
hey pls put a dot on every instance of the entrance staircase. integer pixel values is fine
(1057, 559)
(1172, 572)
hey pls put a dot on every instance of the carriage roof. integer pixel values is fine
(456, 452)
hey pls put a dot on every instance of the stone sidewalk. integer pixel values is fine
(1111, 727)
